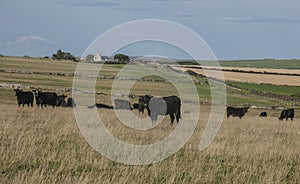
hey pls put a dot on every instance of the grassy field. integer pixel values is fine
(46, 146)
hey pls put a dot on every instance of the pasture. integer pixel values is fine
(46, 145)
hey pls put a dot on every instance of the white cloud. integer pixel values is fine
(30, 39)
(236, 19)
(258, 20)
(88, 3)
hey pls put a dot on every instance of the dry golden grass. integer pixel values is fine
(46, 146)
(254, 78)
(270, 70)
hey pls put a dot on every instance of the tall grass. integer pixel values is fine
(46, 146)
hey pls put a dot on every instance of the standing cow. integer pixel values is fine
(289, 113)
(169, 105)
(24, 97)
(240, 112)
(45, 98)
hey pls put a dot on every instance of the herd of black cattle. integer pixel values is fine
(170, 105)
(42, 99)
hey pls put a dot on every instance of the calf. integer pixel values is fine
(24, 97)
(263, 114)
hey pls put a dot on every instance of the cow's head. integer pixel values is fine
(245, 109)
(36, 91)
(17, 91)
(144, 102)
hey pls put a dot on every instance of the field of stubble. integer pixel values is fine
(46, 146)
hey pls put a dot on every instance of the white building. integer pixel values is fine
(98, 58)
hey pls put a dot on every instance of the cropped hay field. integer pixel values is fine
(255, 78)
(46, 146)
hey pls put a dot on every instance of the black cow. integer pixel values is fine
(263, 114)
(122, 104)
(169, 105)
(71, 102)
(240, 112)
(45, 98)
(60, 101)
(289, 113)
(100, 105)
(24, 97)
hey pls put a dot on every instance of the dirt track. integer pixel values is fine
(256, 78)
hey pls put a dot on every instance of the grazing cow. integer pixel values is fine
(99, 105)
(45, 98)
(289, 113)
(169, 105)
(122, 104)
(60, 101)
(24, 97)
(263, 114)
(71, 102)
(240, 112)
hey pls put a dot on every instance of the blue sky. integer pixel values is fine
(234, 29)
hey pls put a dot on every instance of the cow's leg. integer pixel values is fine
(172, 118)
(153, 118)
(177, 116)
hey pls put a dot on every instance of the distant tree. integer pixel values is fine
(89, 58)
(1, 55)
(60, 55)
(122, 58)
